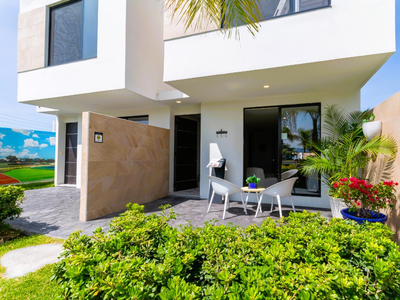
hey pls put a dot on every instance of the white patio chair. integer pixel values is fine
(224, 188)
(288, 174)
(279, 190)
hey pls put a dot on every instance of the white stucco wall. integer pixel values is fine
(347, 29)
(229, 116)
(106, 72)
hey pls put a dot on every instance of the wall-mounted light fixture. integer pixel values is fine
(98, 137)
(221, 133)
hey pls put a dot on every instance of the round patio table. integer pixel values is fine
(257, 191)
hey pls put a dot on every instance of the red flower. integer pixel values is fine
(343, 179)
(335, 185)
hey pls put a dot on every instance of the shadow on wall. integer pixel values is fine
(383, 169)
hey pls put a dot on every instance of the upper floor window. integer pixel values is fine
(276, 8)
(73, 31)
(138, 119)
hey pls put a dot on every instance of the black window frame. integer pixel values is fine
(51, 31)
(318, 104)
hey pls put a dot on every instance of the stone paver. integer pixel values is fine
(55, 212)
(29, 259)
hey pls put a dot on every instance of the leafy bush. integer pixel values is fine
(300, 257)
(11, 198)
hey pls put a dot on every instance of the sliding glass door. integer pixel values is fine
(277, 139)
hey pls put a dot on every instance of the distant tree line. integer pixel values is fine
(12, 159)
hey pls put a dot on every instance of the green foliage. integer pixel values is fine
(344, 150)
(36, 185)
(11, 198)
(253, 179)
(371, 118)
(300, 257)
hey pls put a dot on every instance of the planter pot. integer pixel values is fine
(378, 217)
(336, 206)
(252, 185)
(372, 129)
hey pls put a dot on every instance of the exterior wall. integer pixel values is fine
(389, 113)
(131, 165)
(106, 72)
(173, 28)
(144, 47)
(335, 32)
(229, 116)
(31, 39)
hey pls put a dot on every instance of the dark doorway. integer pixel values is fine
(261, 127)
(71, 146)
(187, 152)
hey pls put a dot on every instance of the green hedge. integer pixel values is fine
(300, 257)
(11, 198)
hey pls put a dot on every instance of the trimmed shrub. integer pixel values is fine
(300, 257)
(11, 198)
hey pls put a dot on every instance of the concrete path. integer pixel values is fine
(55, 212)
(25, 260)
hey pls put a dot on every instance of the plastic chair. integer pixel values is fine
(279, 190)
(288, 174)
(224, 188)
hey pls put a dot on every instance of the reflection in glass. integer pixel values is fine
(299, 127)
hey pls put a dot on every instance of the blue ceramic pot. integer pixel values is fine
(252, 185)
(378, 217)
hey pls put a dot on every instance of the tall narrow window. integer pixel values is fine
(73, 31)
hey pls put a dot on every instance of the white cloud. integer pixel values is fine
(35, 135)
(1, 136)
(23, 131)
(51, 140)
(25, 154)
(4, 152)
(31, 143)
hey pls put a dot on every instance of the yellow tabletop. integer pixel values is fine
(248, 190)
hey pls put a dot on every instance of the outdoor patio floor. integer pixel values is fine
(55, 212)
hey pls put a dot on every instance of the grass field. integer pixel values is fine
(31, 174)
(35, 285)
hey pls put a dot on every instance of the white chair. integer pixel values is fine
(279, 190)
(225, 189)
(288, 174)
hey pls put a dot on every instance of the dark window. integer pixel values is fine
(277, 8)
(277, 139)
(73, 31)
(138, 119)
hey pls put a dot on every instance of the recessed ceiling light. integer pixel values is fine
(178, 101)
(266, 86)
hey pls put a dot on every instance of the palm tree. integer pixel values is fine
(344, 150)
(305, 137)
(224, 14)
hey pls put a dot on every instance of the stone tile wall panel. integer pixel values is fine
(131, 165)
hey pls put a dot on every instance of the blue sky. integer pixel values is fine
(27, 143)
(383, 84)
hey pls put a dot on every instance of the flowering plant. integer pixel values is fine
(362, 197)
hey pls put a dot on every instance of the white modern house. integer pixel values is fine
(258, 97)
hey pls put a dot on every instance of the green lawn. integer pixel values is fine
(36, 185)
(35, 285)
(31, 174)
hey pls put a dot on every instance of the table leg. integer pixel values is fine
(258, 199)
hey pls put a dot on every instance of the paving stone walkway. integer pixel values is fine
(55, 212)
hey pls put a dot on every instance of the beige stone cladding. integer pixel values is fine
(389, 113)
(31, 40)
(130, 165)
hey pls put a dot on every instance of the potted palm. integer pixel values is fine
(344, 151)
(253, 181)
(363, 200)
